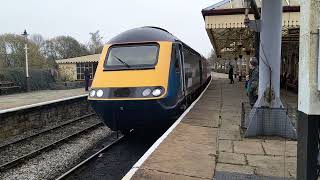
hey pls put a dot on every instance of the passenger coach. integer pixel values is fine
(146, 77)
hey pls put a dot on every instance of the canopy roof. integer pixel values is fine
(234, 4)
(81, 59)
(228, 34)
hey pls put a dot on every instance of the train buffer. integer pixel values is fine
(36, 98)
(208, 143)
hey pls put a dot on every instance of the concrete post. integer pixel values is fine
(270, 50)
(268, 116)
(308, 94)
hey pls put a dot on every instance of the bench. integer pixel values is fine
(7, 87)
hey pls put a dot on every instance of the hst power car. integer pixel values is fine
(145, 78)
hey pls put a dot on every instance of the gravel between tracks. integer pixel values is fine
(50, 164)
(32, 132)
(19, 149)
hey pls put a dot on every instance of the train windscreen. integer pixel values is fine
(138, 56)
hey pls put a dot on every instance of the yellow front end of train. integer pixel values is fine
(154, 74)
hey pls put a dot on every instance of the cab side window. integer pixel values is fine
(177, 61)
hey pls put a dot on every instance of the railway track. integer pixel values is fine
(88, 160)
(115, 159)
(19, 151)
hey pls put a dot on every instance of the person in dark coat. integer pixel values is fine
(86, 78)
(231, 74)
(253, 83)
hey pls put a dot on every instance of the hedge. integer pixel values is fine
(39, 78)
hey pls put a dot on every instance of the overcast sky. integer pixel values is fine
(77, 18)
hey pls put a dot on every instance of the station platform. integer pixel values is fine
(207, 143)
(34, 98)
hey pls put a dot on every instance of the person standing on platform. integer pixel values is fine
(86, 78)
(253, 82)
(231, 74)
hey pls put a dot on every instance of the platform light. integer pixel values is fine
(99, 93)
(146, 92)
(92, 93)
(25, 35)
(156, 92)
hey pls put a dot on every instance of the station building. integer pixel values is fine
(72, 69)
(236, 42)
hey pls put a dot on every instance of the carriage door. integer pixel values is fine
(183, 79)
(178, 71)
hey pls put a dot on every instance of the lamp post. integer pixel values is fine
(25, 34)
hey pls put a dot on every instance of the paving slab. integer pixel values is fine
(248, 147)
(224, 175)
(222, 167)
(146, 174)
(202, 107)
(23, 99)
(198, 118)
(225, 146)
(229, 126)
(207, 144)
(229, 135)
(280, 148)
(181, 152)
(231, 158)
(273, 165)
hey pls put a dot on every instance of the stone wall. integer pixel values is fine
(68, 72)
(36, 118)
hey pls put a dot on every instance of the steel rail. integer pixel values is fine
(47, 130)
(92, 157)
(32, 154)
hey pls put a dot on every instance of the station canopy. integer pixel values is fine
(230, 37)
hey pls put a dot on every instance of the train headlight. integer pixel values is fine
(92, 93)
(156, 92)
(146, 92)
(99, 93)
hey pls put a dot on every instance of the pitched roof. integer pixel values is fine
(81, 59)
(232, 4)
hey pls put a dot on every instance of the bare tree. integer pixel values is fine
(37, 39)
(63, 47)
(212, 57)
(95, 44)
(12, 51)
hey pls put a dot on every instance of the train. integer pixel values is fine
(145, 78)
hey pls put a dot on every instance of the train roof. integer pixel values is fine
(147, 33)
(143, 34)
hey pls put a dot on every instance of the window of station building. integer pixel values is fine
(92, 66)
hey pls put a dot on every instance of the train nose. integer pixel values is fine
(122, 92)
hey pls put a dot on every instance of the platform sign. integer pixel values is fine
(294, 31)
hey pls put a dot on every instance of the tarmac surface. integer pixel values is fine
(208, 143)
(34, 97)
